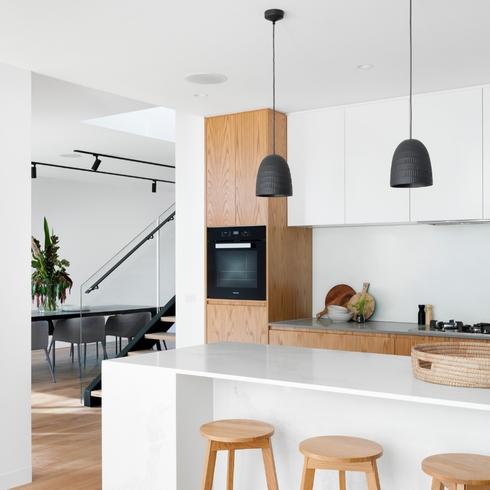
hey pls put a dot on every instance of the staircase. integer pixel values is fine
(126, 272)
(150, 335)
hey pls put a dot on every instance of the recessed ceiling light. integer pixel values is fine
(70, 155)
(365, 67)
(200, 96)
(206, 78)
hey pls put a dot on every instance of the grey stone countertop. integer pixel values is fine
(398, 328)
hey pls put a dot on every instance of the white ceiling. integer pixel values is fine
(143, 49)
(59, 114)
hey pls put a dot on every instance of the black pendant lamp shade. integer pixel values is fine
(273, 177)
(411, 165)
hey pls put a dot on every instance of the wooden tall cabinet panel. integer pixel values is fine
(221, 145)
(234, 322)
(372, 132)
(235, 146)
(253, 145)
(450, 126)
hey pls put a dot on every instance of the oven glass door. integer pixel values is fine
(237, 270)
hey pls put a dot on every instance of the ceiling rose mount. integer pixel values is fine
(274, 15)
(274, 176)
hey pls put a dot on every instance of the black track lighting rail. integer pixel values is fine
(115, 157)
(66, 167)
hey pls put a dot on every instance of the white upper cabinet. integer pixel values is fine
(316, 160)
(450, 126)
(373, 131)
(486, 152)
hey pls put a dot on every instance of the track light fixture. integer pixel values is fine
(96, 164)
(154, 186)
(33, 171)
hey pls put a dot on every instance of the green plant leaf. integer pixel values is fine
(47, 237)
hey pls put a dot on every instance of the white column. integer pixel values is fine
(15, 226)
(190, 230)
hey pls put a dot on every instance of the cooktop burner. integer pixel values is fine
(460, 327)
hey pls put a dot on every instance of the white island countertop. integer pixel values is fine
(362, 374)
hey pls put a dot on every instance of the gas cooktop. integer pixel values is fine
(460, 327)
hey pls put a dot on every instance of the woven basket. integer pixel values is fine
(464, 364)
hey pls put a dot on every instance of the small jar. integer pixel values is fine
(428, 315)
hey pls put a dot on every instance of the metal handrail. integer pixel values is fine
(123, 259)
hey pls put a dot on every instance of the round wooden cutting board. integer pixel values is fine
(338, 295)
(370, 302)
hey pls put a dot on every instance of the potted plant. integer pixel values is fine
(50, 280)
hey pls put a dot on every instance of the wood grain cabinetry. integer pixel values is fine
(235, 146)
(220, 170)
(353, 341)
(253, 144)
(237, 322)
(378, 343)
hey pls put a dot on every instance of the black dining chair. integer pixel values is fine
(126, 326)
(40, 340)
(87, 331)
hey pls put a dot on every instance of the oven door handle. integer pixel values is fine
(233, 245)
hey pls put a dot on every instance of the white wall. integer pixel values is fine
(447, 266)
(15, 330)
(190, 230)
(94, 221)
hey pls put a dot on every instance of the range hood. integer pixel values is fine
(455, 222)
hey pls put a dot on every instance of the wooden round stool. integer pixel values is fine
(343, 454)
(230, 435)
(458, 471)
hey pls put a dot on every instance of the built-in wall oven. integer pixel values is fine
(237, 263)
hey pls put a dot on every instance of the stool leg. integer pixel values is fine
(209, 464)
(308, 477)
(373, 478)
(342, 480)
(437, 485)
(231, 469)
(270, 467)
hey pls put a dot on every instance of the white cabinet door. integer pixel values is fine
(450, 126)
(316, 160)
(486, 153)
(372, 132)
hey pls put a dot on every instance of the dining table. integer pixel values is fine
(96, 310)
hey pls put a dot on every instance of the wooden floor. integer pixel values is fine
(66, 436)
(66, 445)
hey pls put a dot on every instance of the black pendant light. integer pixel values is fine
(411, 165)
(274, 177)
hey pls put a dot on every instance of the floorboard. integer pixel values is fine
(66, 436)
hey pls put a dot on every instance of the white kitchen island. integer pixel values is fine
(153, 405)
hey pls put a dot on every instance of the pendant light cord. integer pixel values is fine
(274, 88)
(411, 69)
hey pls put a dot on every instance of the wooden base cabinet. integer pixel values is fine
(400, 345)
(232, 322)
(377, 343)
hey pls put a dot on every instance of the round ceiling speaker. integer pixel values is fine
(206, 78)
